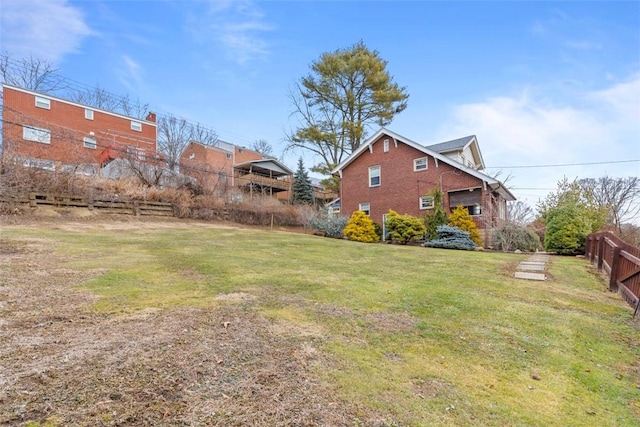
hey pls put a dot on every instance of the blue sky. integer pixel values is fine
(539, 83)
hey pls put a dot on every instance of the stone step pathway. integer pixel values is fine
(533, 268)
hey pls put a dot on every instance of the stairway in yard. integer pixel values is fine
(533, 268)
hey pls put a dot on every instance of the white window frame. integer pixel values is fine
(372, 176)
(365, 207)
(426, 202)
(42, 102)
(385, 145)
(417, 162)
(88, 114)
(89, 142)
(35, 134)
(136, 125)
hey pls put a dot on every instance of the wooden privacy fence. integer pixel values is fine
(130, 207)
(620, 261)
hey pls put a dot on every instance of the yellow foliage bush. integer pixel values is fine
(461, 218)
(360, 228)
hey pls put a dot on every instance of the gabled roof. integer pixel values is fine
(492, 182)
(453, 145)
(269, 167)
(459, 145)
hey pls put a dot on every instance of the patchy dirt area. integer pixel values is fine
(63, 365)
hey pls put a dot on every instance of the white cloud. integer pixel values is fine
(131, 74)
(236, 26)
(523, 129)
(45, 29)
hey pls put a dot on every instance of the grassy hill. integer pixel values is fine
(250, 327)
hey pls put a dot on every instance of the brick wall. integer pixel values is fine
(68, 127)
(208, 165)
(400, 186)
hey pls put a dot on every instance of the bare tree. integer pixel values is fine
(30, 73)
(263, 147)
(101, 98)
(620, 196)
(203, 135)
(175, 133)
(519, 213)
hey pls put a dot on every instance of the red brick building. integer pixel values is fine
(389, 171)
(52, 133)
(226, 166)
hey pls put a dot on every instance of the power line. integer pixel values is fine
(565, 164)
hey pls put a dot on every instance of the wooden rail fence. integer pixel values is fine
(621, 262)
(127, 207)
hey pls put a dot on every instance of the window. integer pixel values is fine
(88, 114)
(42, 102)
(137, 126)
(385, 144)
(420, 164)
(426, 202)
(36, 134)
(374, 176)
(365, 207)
(89, 142)
(470, 199)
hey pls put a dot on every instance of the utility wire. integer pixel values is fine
(564, 165)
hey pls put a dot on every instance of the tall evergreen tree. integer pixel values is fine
(346, 92)
(302, 188)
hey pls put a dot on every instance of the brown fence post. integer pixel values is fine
(601, 243)
(613, 285)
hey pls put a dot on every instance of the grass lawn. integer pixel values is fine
(414, 336)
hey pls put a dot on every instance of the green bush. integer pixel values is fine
(566, 230)
(451, 238)
(510, 237)
(461, 218)
(361, 228)
(403, 228)
(436, 216)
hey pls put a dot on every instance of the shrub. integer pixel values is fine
(510, 237)
(566, 230)
(436, 216)
(329, 225)
(451, 238)
(403, 228)
(360, 228)
(461, 219)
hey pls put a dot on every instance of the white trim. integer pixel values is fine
(36, 134)
(43, 102)
(88, 113)
(426, 164)
(367, 204)
(385, 145)
(89, 142)
(423, 199)
(18, 89)
(379, 176)
(136, 126)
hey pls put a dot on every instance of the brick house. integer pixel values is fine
(389, 171)
(45, 131)
(226, 166)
